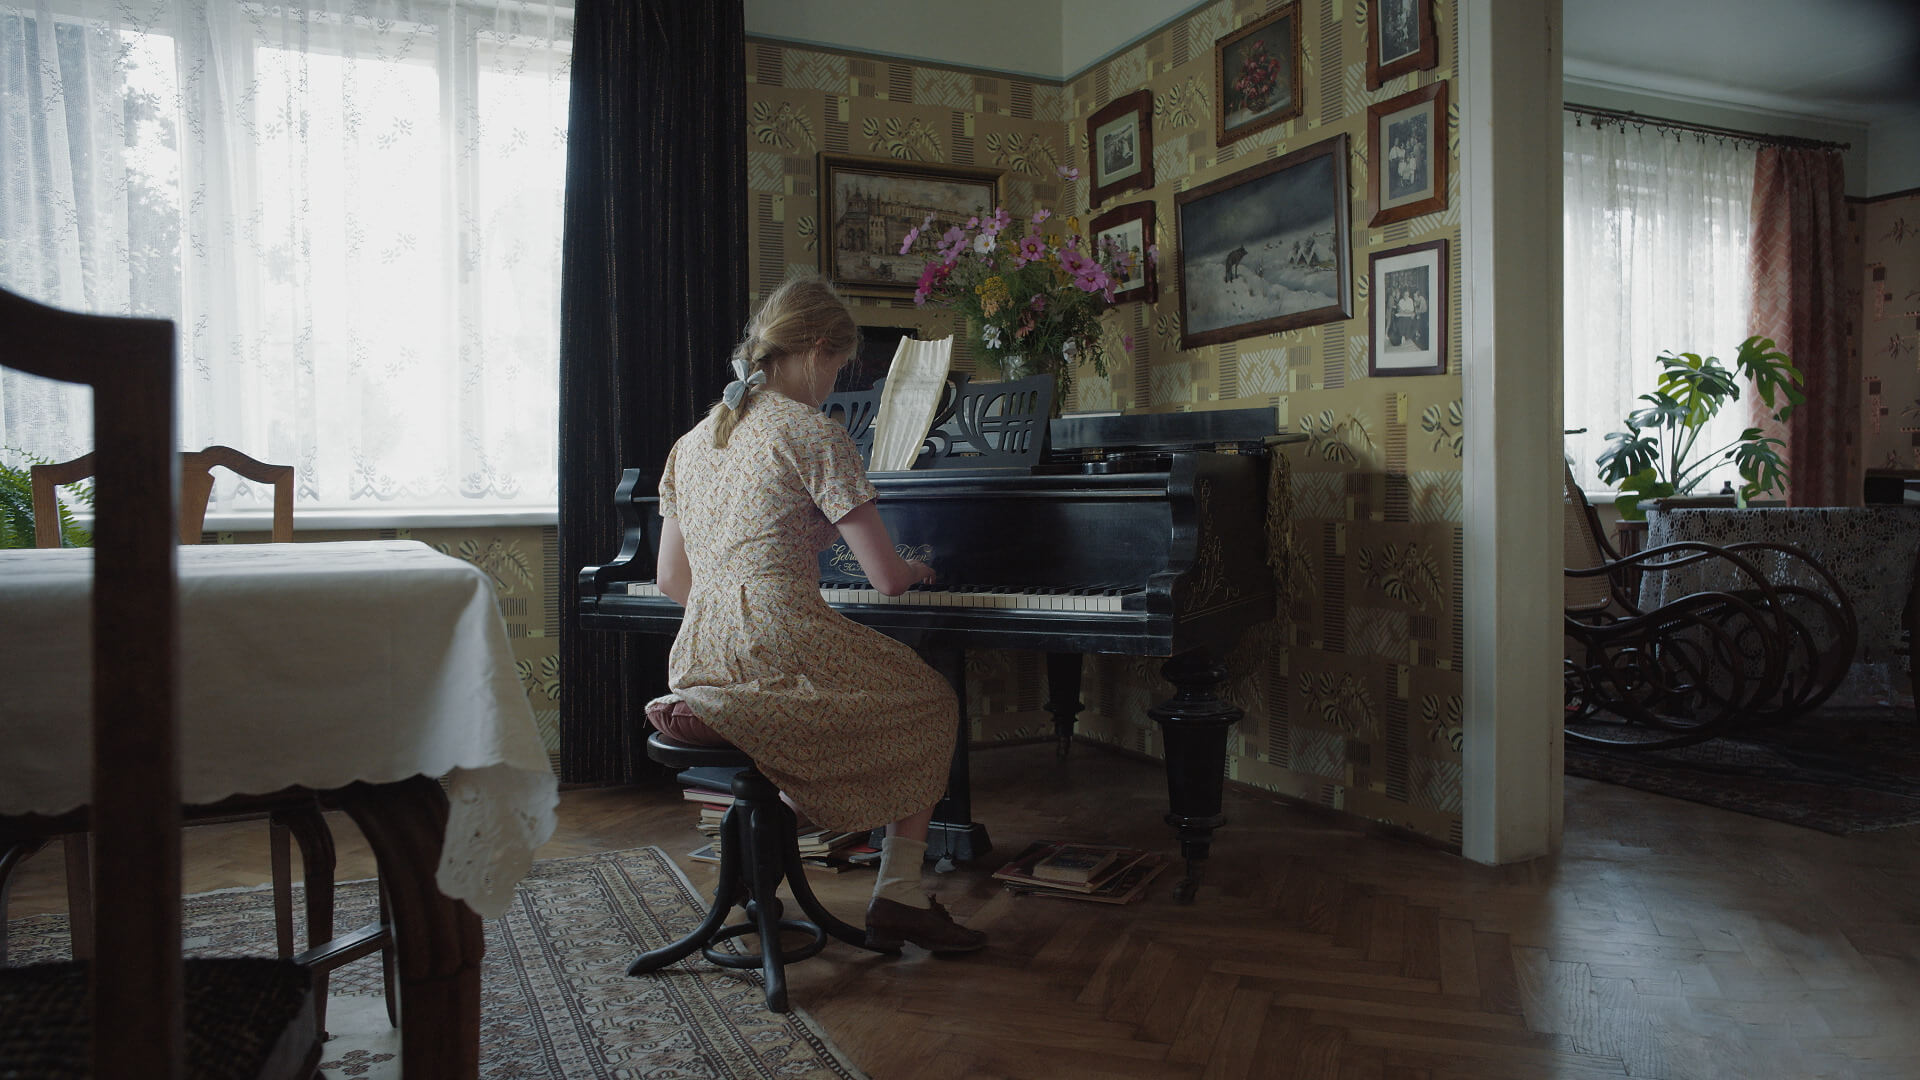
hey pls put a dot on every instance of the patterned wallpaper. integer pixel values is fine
(1353, 701)
(1887, 247)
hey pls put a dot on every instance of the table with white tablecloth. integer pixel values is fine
(1871, 551)
(364, 671)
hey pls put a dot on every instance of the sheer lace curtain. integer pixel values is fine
(350, 207)
(1657, 231)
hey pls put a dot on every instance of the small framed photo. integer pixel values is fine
(869, 206)
(1256, 75)
(1407, 288)
(1120, 146)
(1130, 228)
(1407, 156)
(1400, 39)
(1267, 248)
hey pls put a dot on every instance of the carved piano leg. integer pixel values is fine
(1063, 696)
(953, 836)
(1194, 723)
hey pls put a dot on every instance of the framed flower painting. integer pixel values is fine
(1256, 75)
(1120, 146)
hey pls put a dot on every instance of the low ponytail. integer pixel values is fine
(725, 417)
(803, 312)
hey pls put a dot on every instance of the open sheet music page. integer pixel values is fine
(908, 402)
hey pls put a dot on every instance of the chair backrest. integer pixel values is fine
(1584, 549)
(135, 809)
(196, 488)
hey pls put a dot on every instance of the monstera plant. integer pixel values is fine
(1660, 453)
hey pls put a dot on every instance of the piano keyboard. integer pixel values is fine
(1089, 598)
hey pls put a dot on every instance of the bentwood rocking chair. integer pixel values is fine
(1755, 647)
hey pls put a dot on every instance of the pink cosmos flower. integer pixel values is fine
(1073, 261)
(907, 244)
(1039, 302)
(1032, 249)
(1001, 219)
(1068, 172)
(1126, 342)
(1041, 215)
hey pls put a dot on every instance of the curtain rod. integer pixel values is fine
(1643, 120)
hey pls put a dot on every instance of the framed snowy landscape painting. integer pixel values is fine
(1267, 248)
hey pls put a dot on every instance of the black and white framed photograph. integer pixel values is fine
(1407, 156)
(870, 204)
(1120, 146)
(1266, 249)
(1256, 75)
(1400, 39)
(1130, 229)
(1407, 290)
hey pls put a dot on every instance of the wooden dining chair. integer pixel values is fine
(306, 825)
(137, 1009)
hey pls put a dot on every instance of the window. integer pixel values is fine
(352, 211)
(1656, 239)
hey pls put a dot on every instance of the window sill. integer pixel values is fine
(370, 520)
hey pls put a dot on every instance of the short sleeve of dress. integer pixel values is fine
(667, 507)
(833, 473)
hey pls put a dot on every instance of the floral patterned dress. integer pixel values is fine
(851, 724)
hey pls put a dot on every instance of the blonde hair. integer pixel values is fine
(802, 313)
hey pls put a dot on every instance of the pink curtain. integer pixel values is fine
(1799, 218)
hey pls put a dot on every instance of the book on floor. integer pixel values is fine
(1075, 863)
(1020, 870)
(1124, 887)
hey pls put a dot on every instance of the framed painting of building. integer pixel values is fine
(868, 205)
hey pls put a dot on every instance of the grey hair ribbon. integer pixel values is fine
(737, 390)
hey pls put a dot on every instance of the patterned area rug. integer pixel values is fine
(555, 997)
(1840, 770)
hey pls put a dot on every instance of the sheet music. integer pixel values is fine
(908, 403)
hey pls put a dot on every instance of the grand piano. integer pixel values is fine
(1140, 535)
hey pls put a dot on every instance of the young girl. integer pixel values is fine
(853, 726)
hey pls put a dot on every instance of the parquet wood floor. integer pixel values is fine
(1665, 940)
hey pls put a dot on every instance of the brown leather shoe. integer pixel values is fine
(890, 922)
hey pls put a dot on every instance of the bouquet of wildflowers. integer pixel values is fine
(1259, 73)
(1032, 296)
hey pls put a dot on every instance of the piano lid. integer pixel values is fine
(995, 426)
(1076, 436)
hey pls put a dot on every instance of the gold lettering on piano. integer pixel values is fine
(841, 558)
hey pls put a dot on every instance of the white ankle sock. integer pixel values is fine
(899, 877)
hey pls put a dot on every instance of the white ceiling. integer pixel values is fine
(1849, 61)
(1845, 60)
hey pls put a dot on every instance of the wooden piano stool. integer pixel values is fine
(759, 849)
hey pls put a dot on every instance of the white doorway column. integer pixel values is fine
(1510, 69)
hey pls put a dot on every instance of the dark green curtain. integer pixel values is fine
(653, 296)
